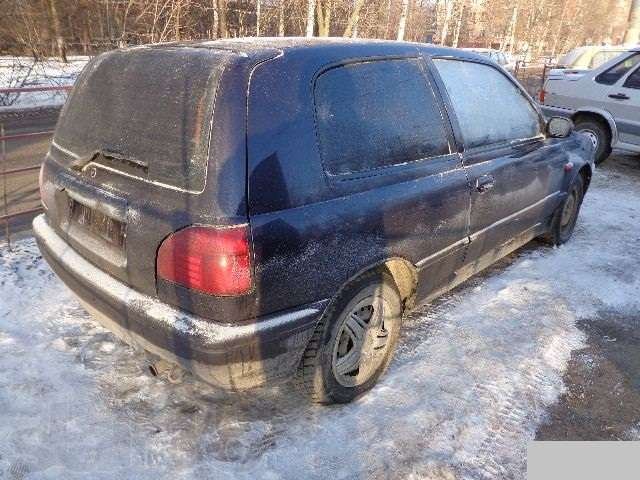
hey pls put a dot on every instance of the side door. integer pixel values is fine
(515, 172)
(625, 107)
(389, 154)
(350, 162)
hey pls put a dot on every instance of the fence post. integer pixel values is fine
(3, 157)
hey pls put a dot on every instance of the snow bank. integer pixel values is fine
(472, 378)
(18, 72)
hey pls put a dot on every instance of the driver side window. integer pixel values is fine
(490, 108)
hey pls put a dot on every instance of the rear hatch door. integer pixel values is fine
(129, 160)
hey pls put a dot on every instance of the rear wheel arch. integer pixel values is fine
(583, 115)
(600, 130)
(403, 272)
(316, 375)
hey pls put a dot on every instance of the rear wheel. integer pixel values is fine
(599, 135)
(565, 217)
(354, 341)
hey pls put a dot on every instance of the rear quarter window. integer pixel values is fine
(377, 114)
(490, 108)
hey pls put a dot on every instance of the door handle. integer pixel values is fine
(485, 183)
(619, 96)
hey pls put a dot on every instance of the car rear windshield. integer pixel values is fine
(146, 107)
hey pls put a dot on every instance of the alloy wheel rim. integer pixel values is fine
(592, 137)
(363, 341)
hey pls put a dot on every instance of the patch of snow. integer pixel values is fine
(18, 72)
(470, 383)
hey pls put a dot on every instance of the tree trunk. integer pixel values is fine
(632, 34)
(177, 26)
(388, 18)
(323, 14)
(560, 27)
(258, 18)
(514, 24)
(447, 20)
(352, 23)
(402, 24)
(456, 35)
(281, 18)
(509, 36)
(311, 11)
(214, 20)
(222, 19)
(57, 32)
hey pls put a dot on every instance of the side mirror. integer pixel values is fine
(559, 127)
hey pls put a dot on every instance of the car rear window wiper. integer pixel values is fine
(80, 163)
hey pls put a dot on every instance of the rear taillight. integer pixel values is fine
(212, 260)
(541, 95)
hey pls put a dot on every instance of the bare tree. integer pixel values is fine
(541, 27)
(352, 22)
(632, 34)
(311, 8)
(447, 20)
(456, 35)
(323, 14)
(221, 7)
(57, 30)
(402, 23)
(281, 18)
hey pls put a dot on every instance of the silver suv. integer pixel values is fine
(604, 103)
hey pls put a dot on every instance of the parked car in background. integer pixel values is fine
(503, 59)
(260, 209)
(604, 103)
(589, 57)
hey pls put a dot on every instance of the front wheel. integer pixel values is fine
(354, 341)
(566, 215)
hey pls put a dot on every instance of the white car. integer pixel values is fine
(589, 57)
(501, 58)
(604, 103)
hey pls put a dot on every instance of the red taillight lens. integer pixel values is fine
(211, 260)
(541, 95)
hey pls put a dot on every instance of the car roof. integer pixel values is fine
(268, 47)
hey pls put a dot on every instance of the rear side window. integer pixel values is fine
(377, 114)
(619, 70)
(634, 80)
(489, 107)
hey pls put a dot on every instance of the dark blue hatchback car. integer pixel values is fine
(255, 210)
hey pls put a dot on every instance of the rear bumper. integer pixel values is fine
(231, 356)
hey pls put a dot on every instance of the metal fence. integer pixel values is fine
(532, 76)
(6, 172)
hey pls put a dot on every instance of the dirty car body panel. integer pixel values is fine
(261, 133)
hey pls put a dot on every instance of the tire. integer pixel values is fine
(565, 217)
(599, 135)
(353, 342)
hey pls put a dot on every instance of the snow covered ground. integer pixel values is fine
(473, 377)
(18, 72)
